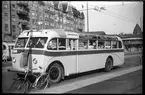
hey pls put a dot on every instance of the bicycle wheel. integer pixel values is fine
(41, 82)
(19, 86)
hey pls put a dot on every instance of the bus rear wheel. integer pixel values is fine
(55, 73)
(109, 64)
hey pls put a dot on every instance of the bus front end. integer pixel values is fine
(28, 53)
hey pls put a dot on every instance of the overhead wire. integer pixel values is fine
(115, 15)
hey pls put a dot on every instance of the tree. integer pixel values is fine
(121, 33)
(23, 14)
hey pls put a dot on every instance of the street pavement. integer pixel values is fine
(131, 61)
(128, 83)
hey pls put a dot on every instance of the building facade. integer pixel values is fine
(6, 25)
(41, 15)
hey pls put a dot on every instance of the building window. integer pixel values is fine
(14, 36)
(6, 16)
(13, 19)
(6, 27)
(33, 21)
(51, 24)
(33, 14)
(13, 28)
(5, 5)
(33, 4)
(13, 6)
(13, 16)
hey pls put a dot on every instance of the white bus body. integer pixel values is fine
(70, 60)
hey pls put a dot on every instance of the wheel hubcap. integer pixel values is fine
(54, 73)
(109, 64)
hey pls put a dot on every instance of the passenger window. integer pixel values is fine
(114, 44)
(62, 44)
(83, 44)
(108, 45)
(92, 44)
(52, 45)
(101, 44)
(71, 44)
(120, 44)
(41, 42)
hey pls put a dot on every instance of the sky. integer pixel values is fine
(119, 17)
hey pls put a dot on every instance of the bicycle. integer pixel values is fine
(42, 81)
(23, 83)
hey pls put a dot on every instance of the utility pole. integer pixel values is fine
(141, 24)
(10, 20)
(87, 18)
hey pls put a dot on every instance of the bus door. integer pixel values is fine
(72, 47)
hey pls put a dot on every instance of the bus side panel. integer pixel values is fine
(69, 63)
(91, 62)
(118, 58)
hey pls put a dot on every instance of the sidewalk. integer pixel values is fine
(125, 84)
(89, 81)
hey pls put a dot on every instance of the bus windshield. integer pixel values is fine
(21, 42)
(37, 42)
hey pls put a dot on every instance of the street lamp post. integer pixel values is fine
(87, 18)
(96, 9)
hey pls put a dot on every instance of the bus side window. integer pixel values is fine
(101, 44)
(119, 44)
(83, 44)
(72, 44)
(62, 44)
(52, 45)
(92, 44)
(108, 44)
(114, 44)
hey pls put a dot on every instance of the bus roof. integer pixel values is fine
(132, 39)
(63, 34)
(47, 32)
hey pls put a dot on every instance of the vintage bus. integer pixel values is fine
(61, 53)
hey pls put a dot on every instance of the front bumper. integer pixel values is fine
(21, 71)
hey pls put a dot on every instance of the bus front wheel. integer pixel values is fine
(109, 64)
(55, 73)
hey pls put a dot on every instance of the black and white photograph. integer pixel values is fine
(72, 47)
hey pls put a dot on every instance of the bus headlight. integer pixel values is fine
(14, 60)
(34, 61)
